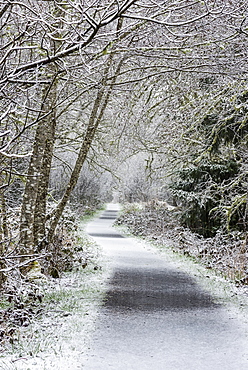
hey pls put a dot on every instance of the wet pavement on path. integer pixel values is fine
(155, 316)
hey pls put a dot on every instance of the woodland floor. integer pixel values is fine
(41, 327)
(227, 255)
(47, 322)
(162, 311)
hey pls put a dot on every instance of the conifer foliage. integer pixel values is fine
(212, 189)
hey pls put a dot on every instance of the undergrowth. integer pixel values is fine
(227, 254)
(34, 311)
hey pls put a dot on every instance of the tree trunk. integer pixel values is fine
(33, 214)
(97, 112)
(34, 198)
(89, 136)
(39, 222)
(4, 221)
(4, 234)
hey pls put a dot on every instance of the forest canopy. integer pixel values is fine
(86, 86)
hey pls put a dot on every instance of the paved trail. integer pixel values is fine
(156, 317)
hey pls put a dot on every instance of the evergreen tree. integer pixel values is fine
(212, 190)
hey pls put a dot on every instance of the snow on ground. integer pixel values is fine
(61, 339)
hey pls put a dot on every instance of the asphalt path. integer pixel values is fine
(155, 316)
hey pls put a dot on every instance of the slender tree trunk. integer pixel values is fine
(33, 214)
(39, 221)
(4, 234)
(97, 112)
(26, 241)
(89, 136)
(34, 190)
(4, 221)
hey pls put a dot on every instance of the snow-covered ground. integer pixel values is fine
(62, 338)
(163, 311)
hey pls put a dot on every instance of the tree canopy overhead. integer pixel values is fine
(90, 77)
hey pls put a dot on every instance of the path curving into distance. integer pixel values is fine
(155, 316)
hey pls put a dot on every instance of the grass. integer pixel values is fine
(91, 213)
